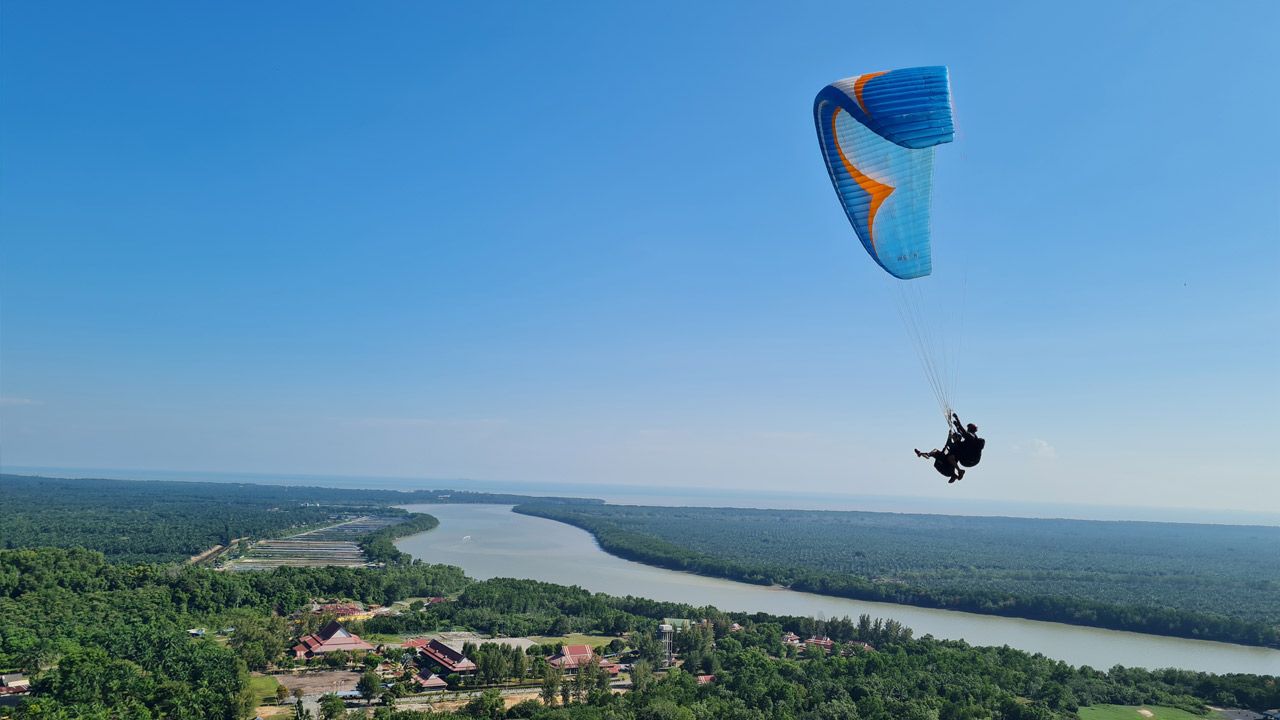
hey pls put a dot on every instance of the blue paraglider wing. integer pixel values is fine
(877, 133)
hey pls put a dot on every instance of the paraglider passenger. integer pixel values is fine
(945, 463)
(965, 443)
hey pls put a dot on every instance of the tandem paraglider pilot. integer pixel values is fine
(944, 461)
(964, 443)
(963, 447)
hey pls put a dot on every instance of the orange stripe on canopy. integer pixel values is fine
(860, 83)
(878, 191)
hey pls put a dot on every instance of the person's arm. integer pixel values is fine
(955, 419)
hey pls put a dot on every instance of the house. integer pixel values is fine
(196, 632)
(330, 638)
(823, 642)
(14, 683)
(706, 679)
(427, 681)
(735, 628)
(790, 638)
(572, 658)
(446, 659)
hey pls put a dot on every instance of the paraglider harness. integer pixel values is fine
(966, 446)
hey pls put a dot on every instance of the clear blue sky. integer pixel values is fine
(595, 242)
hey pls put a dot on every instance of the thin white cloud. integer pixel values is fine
(13, 401)
(1042, 450)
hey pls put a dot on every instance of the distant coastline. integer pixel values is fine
(689, 497)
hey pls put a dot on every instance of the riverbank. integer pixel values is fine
(489, 541)
(1167, 580)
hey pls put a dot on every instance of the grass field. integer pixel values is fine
(574, 639)
(263, 686)
(1134, 712)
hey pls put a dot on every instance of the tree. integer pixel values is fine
(337, 658)
(642, 676)
(551, 678)
(332, 707)
(282, 694)
(519, 663)
(649, 649)
(369, 686)
(259, 641)
(560, 626)
(489, 704)
(583, 680)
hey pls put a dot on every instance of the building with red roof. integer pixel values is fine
(427, 680)
(823, 642)
(571, 658)
(330, 638)
(446, 658)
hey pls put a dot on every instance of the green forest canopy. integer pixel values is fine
(110, 642)
(161, 521)
(1210, 581)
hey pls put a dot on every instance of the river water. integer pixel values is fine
(491, 541)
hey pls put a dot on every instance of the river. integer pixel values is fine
(491, 541)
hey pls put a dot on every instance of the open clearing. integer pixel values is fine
(1135, 712)
(331, 546)
(319, 683)
(574, 639)
(263, 687)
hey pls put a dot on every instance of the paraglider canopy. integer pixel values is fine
(877, 132)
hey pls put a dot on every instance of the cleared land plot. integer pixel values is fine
(269, 554)
(456, 640)
(1135, 712)
(332, 546)
(263, 687)
(319, 683)
(596, 641)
